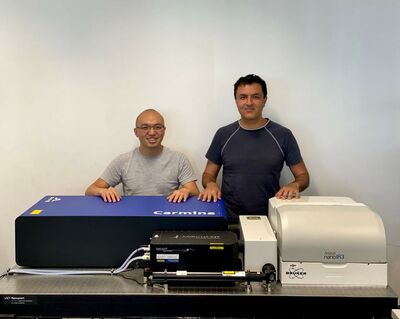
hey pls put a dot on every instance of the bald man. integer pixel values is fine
(150, 169)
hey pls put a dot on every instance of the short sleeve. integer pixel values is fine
(214, 152)
(186, 172)
(292, 150)
(113, 173)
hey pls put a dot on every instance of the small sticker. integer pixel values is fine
(19, 300)
(228, 273)
(168, 261)
(216, 247)
(167, 256)
(36, 211)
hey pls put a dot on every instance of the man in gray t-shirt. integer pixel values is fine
(150, 169)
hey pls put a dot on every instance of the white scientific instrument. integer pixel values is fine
(328, 241)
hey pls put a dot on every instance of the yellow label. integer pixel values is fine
(217, 247)
(217, 244)
(36, 212)
(229, 273)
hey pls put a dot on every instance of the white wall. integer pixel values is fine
(75, 74)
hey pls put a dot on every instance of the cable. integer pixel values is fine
(49, 272)
(61, 272)
(123, 268)
(129, 260)
(4, 273)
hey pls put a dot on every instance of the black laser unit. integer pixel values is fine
(198, 251)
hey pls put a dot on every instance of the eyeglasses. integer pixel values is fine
(146, 128)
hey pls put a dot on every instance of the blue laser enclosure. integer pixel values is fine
(83, 231)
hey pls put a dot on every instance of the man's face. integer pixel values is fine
(150, 129)
(250, 101)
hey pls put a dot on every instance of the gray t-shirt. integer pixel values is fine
(152, 176)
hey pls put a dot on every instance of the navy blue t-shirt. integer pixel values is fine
(252, 161)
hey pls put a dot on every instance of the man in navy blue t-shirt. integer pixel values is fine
(252, 152)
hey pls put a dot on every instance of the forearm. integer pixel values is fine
(301, 182)
(191, 187)
(93, 190)
(97, 188)
(207, 178)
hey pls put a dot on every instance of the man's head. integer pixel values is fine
(150, 130)
(250, 95)
(250, 79)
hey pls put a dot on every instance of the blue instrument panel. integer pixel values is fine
(143, 206)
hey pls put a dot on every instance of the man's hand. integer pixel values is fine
(210, 193)
(289, 191)
(101, 188)
(300, 183)
(110, 195)
(179, 195)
